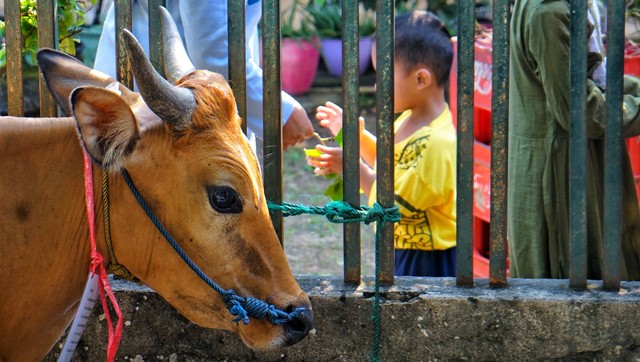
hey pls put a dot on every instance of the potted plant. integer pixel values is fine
(299, 51)
(70, 18)
(327, 18)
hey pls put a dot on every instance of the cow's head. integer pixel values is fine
(184, 148)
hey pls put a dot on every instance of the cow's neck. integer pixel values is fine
(43, 230)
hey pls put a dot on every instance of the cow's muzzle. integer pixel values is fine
(297, 328)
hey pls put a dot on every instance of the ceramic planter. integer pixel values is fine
(332, 54)
(299, 64)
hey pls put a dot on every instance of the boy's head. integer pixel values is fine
(422, 40)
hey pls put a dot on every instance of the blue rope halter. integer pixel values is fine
(242, 307)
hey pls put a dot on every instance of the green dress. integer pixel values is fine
(538, 189)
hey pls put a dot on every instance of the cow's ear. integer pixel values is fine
(64, 73)
(107, 127)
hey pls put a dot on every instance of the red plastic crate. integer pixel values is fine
(482, 89)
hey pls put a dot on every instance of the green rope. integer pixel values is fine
(341, 212)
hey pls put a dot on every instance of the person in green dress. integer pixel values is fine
(538, 187)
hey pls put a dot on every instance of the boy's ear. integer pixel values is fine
(423, 77)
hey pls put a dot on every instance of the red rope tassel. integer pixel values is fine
(97, 265)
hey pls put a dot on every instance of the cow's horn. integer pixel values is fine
(176, 61)
(173, 104)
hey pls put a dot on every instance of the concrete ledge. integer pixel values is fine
(422, 319)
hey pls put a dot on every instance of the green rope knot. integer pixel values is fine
(341, 212)
(382, 214)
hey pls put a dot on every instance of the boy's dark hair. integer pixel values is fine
(422, 38)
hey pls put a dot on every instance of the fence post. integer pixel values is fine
(499, 135)
(578, 145)
(272, 110)
(384, 131)
(465, 129)
(614, 146)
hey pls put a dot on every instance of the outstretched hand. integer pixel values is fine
(297, 129)
(329, 116)
(329, 161)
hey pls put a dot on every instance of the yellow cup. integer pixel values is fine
(312, 152)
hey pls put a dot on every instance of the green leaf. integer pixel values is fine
(338, 138)
(334, 191)
(68, 46)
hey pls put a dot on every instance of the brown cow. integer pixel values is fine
(183, 147)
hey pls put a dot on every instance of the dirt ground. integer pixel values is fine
(314, 245)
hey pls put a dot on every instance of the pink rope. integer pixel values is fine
(97, 265)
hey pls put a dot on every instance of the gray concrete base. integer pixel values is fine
(423, 319)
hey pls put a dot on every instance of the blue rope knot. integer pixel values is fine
(234, 305)
(244, 308)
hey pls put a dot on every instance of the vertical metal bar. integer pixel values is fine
(578, 145)
(155, 35)
(47, 38)
(272, 114)
(465, 139)
(384, 131)
(350, 131)
(499, 125)
(237, 55)
(123, 21)
(614, 146)
(15, 90)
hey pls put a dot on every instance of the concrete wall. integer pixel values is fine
(422, 319)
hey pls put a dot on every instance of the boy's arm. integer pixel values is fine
(368, 147)
(367, 176)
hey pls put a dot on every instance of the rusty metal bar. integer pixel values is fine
(350, 131)
(465, 141)
(155, 35)
(123, 21)
(13, 38)
(47, 38)
(499, 135)
(384, 132)
(273, 187)
(614, 146)
(578, 145)
(237, 55)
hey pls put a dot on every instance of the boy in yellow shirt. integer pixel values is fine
(424, 150)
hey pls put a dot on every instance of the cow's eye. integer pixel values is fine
(224, 199)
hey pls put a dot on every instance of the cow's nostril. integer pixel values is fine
(299, 326)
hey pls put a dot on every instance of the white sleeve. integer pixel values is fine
(207, 46)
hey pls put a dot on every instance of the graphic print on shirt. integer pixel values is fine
(413, 231)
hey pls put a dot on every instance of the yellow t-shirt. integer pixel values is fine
(425, 185)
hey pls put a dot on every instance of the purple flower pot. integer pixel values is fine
(332, 54)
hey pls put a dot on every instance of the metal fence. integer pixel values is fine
(384, 98)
